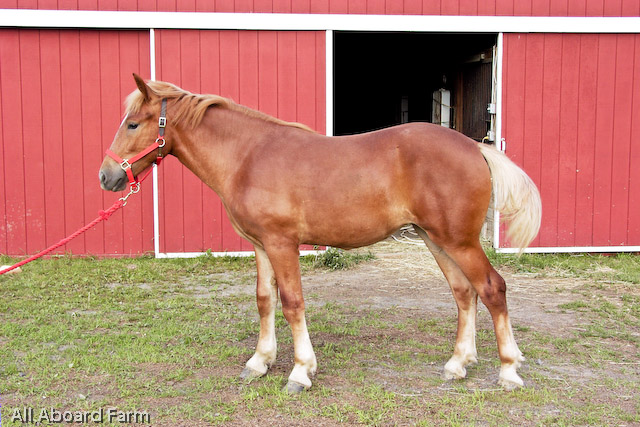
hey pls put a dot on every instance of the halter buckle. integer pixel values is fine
(162, 122)
(125, 165)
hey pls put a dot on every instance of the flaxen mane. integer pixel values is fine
(189, 108)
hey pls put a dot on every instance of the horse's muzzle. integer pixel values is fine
(112, 179)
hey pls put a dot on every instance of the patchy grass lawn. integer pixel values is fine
(603, 268)
(169, 337)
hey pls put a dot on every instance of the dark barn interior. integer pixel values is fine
(384, 79)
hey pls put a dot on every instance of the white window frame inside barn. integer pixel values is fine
(21, 18)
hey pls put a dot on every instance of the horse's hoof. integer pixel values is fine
(511, 384)
(450, 376)
(249, 374)
(294, 387)
(454, 372)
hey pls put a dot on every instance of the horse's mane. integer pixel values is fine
(189, 108)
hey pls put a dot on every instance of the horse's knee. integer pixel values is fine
(265, 303)
(463, 293)
(292, 306)
(266, 297)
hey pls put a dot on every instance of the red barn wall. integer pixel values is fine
(67, 104)
(279, 73)
(572, 120)
(61, 97)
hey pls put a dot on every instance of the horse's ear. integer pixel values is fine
(142, 86)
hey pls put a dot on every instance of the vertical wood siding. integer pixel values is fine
(571, 105)
(60, 112)
(571, 118)
(61, 95)
(280, 73)
(384, 7)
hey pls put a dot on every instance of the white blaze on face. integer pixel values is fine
(126, 116)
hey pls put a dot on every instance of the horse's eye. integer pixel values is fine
(132, 126)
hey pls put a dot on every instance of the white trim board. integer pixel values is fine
(535, 250)
(329, 71)
(499, 69)
(220, 254)
(314, 22)
(571, 249)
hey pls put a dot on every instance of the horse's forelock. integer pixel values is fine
(133, 102)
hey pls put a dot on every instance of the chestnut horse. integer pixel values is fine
(283, 185)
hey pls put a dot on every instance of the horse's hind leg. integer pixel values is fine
(491, 288)
(466, 299)
(267, 299)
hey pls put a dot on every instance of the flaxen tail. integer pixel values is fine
(517, 197)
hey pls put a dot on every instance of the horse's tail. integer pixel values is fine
(517, 197)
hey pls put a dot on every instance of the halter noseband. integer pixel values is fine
(126, 164)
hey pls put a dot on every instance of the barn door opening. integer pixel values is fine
(384, 79)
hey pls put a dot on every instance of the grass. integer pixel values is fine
(623, 267)
(336, 259)
(162, 336)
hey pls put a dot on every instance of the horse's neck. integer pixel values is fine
(216, 149)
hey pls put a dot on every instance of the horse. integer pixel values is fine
(267, 172)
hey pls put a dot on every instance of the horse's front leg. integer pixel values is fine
(267, 299)
(284, 257)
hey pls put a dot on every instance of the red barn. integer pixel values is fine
(557, 80)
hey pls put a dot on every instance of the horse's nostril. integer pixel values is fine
(120, 184)
(111, 180)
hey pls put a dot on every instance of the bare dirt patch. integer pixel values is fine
(556, 320)
(406, 276)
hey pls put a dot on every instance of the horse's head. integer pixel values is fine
(136, 144)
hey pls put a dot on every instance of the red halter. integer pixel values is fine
(125, 164)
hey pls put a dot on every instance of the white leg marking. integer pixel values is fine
(305, 358)
(267, 348)
(465, 352)
(511, 356)
(267, 291)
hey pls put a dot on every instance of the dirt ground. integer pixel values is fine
(405, 276)
(405, 279)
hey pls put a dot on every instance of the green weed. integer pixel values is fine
(337, 259)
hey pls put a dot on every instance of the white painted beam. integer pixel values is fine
(314, 22)
(571, 249)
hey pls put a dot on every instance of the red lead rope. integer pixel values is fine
(102, 216)
(134, 187)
